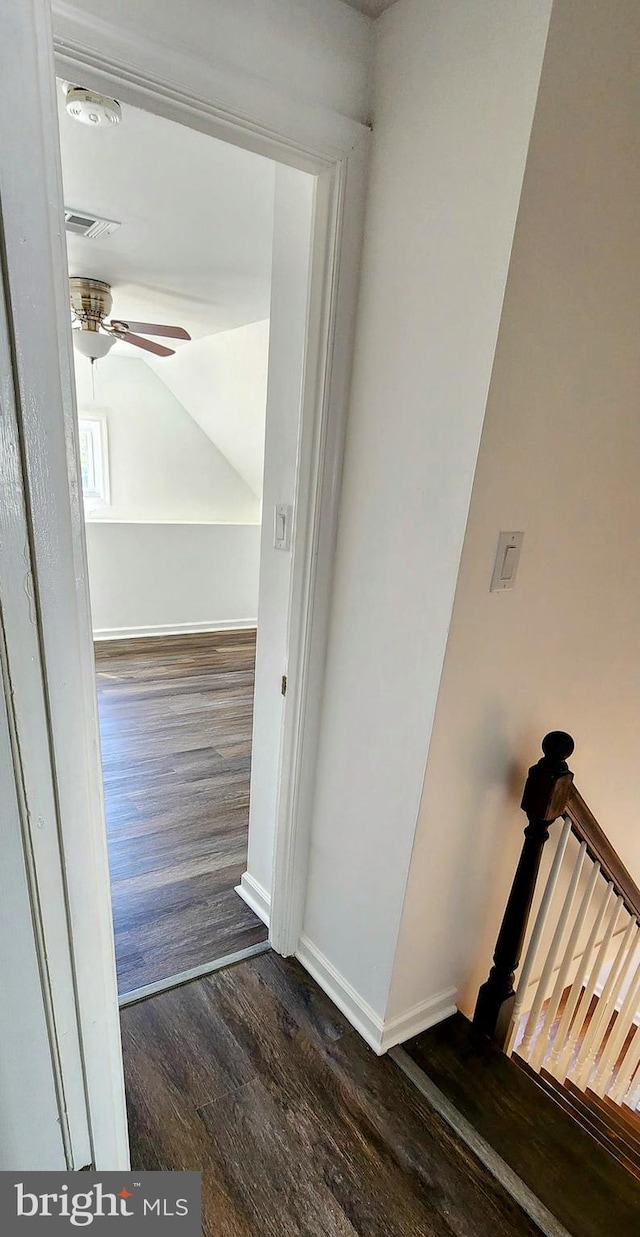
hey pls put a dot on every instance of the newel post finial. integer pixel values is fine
(545, 797)
(549, 782)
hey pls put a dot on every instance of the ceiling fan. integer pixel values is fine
(93, 336)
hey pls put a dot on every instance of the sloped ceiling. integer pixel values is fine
(222, 380)
(162, 466)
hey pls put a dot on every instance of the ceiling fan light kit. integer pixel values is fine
(93, 335)
(92, 344)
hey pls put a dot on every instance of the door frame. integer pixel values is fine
(236, 108)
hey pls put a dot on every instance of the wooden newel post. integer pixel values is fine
(546, 792)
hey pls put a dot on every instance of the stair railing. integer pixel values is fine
(578, 1018)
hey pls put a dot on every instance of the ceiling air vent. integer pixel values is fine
(82, 224)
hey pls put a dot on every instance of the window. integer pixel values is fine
(94, 463)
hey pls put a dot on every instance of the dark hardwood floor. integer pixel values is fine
(175, 727)
(252, 1076)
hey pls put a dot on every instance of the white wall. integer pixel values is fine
(149, 578)
(221, 380)
(455, 89)
(162, 465)
(177, 549)
(313, 51)
(560, 459)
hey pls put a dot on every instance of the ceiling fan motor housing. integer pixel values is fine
(91, 301)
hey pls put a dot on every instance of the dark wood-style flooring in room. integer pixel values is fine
(253, 1077)
(175, 727)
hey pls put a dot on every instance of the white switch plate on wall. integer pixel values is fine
(282, 527)
(507, 560)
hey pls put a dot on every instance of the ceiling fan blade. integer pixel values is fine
(153, 328)
(147, 344)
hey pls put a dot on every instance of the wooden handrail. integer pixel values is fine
(586, 828)
(549, 793)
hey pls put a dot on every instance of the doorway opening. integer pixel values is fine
(49, 646)
(171, 247)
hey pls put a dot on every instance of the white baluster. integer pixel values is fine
(624, 1082)
(541, 1045)
(621, 1027)
(589, 989)
(563, 1037)
(632, 1098)
(581, 1073)
(562, 977)
(554, 948)
(538, 928)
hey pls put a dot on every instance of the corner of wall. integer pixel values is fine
(434, 271)
(379, 1033)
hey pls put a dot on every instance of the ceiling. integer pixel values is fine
(372, 8)
(196, 214)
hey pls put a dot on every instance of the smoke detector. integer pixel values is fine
(91, 108)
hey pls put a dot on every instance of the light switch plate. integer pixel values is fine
(282, 527)
(507, 560)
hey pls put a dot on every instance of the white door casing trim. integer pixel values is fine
(245, 109)
(22, 703)
(53, 539)
(237, 108)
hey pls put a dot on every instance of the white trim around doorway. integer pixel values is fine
(334, 149)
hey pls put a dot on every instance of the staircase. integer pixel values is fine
(549, 1154)
(615, 1130)
(544, 1086)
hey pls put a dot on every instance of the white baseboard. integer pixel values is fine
(172, 629)
(377, 1033)
(353, 1006)
(256, 896)
(404, 1026)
